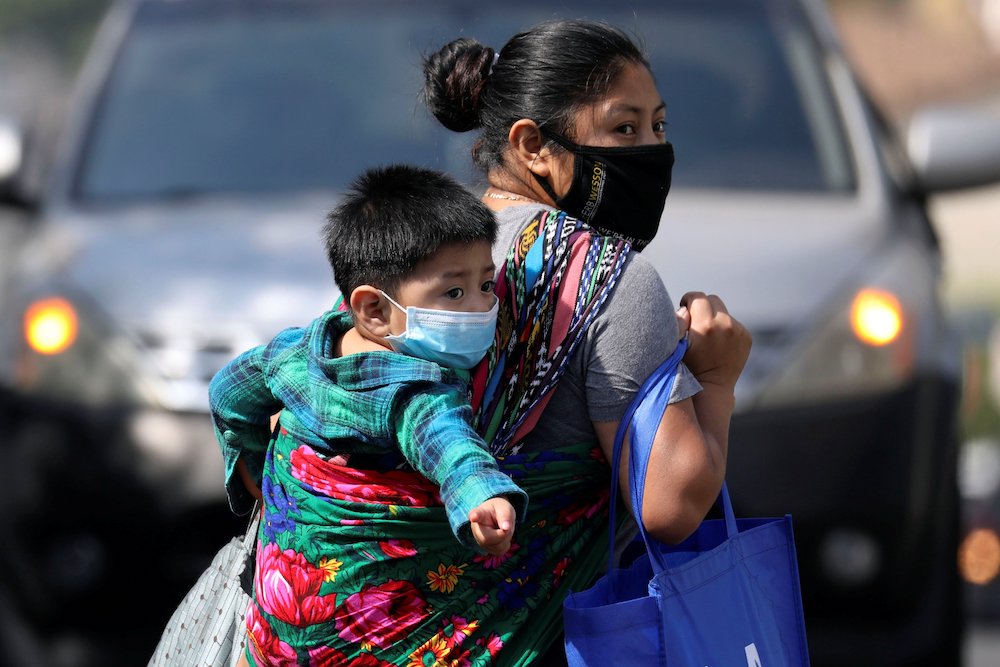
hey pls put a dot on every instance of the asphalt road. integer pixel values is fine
(982, 647)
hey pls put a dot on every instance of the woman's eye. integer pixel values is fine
(660, 127)
(627, 130)
(488, 286)
(455, 293)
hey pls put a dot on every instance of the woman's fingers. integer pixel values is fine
(683, 322)
(719, 343)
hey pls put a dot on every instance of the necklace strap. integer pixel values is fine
(508, 196)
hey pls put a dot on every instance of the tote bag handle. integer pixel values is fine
(644, 415)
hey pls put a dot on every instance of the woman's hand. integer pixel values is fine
(719, 343)
(683, 322)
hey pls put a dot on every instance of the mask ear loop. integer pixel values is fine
(391, 335)
(544, 184)
(392, 301)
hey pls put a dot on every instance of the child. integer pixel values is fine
(410, 251)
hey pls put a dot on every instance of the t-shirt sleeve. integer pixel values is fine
(633, 334)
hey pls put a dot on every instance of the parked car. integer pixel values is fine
(179, 225)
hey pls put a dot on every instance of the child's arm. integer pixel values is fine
(493, 525)
(242, 404)
(434, 434)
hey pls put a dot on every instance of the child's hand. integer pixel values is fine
(719, 343)
(493, 525)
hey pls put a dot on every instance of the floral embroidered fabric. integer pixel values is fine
(358, 566)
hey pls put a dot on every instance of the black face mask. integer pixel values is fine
(617, 191)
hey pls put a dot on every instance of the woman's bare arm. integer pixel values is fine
(688, 459)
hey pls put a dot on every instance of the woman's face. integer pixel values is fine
(631, 114)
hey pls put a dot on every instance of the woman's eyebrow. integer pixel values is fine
(625, 107)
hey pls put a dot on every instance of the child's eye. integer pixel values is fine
(455, 293)
(487, 286)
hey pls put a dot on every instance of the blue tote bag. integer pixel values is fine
(727, 596)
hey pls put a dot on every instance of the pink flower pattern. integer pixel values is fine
(381, 614)
(392, 487)
(491, 562)
(398, 548)
(265, 646)
(287, 587)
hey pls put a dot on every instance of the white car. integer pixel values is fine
(179, 225)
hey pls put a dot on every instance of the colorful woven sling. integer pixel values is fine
(359, 567)
(553, 283)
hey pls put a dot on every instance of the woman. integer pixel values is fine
(584, 319)
(570, 119)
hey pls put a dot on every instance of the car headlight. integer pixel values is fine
(876, 317)
(66, 352)
(870, 340)
(50, 326)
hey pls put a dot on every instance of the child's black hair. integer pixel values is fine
(394, 217)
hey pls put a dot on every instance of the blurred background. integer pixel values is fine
(908, 53)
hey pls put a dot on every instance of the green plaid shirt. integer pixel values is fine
(366, 403)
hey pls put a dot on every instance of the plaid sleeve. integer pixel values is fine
(434, 432)
(242, 403)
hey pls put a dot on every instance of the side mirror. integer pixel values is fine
(954, 146)
(13, 166)
(11, 152)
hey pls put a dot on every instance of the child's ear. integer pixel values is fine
(371, 310)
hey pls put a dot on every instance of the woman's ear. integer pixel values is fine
(371, 310)
(528, 148)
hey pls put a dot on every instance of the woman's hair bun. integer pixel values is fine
(454, 79)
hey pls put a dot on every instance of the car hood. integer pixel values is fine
(773, 259)
(257, 265)
(217, 277)
(244, 268)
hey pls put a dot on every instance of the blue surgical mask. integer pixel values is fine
(448, 338)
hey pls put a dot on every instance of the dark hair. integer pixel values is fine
(545, 74)
(394, 217)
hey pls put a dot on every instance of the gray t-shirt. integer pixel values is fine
(633, 334)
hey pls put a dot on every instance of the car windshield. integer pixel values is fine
(246, 97)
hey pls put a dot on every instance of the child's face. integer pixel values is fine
(458, 277)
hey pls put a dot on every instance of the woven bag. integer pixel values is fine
(208, 627)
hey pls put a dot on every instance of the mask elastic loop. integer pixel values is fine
(392, 301)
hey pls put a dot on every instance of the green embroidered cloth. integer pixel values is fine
(360, 568)
(357, 566)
